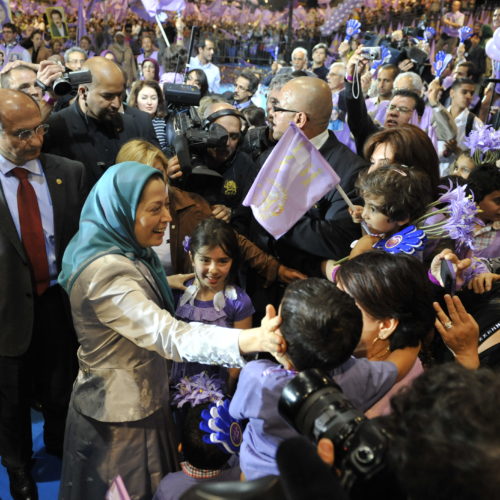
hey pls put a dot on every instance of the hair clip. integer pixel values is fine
(197, 390)
(404, 174)
(186, 243)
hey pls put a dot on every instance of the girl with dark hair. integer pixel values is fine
(212, 296)
(198, 78)
(394, 295)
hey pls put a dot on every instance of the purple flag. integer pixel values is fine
(81, 29)
(117, 490)
(154, 6)
(293, 178)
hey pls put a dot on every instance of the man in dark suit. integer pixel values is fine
(326, 230)
(93, 129)
(40, 202)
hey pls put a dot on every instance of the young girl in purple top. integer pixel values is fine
(212, 296)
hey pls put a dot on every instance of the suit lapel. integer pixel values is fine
(7, 225)
(57, 190)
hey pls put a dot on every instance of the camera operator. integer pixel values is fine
(234, 170)
(92, 129)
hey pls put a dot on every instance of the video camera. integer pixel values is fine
(70, 80)
(189, 136)
(316, 407)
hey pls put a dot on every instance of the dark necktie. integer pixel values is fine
(32, 230)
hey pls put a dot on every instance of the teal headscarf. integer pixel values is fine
(107, 226)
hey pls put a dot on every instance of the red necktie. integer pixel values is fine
(32, 230)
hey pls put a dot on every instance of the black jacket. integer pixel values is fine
(76, 136)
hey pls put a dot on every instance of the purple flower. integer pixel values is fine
(186, 242)
(461, 221)
(483, 140)
(198, 389)
(451, 193)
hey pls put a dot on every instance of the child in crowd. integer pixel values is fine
(202, 462)
(463, 165)
(394, 196)
(212, 296)
(484, 182)
(322, 326)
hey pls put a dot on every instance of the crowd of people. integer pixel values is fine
(142, 288)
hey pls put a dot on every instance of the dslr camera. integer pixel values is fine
(316, 407)
(70, 80)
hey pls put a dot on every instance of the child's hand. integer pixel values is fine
(363, 245)
(483, 282)
(459, 331)
(355, 214)
(176, 281)
(287, 274)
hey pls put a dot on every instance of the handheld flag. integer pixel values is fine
(293, 178)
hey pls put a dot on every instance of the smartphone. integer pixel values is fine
(448, 277)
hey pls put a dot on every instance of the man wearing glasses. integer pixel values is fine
(327, 228)
(12, 50)
(405, 106)
(244, 88)
(40, 202)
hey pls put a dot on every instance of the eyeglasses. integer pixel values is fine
(277, 109)
(400, 109)
(239, 87)
(26, 135)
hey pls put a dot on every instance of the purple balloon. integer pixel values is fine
(492, 51)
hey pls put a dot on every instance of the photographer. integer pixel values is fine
(33, 79)
(92, 129)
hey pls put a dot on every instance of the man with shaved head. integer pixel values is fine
(93, 129)
(41, 196)
(307, 102)
(326, 230)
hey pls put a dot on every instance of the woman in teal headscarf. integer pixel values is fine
(118, 421)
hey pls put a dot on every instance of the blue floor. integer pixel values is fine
(47, 468)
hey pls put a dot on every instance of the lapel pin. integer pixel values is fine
(58, 181)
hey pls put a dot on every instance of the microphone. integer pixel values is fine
(492, 80)
(304, 476)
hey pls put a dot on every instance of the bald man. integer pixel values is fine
(307, 102)
(93, 128)
(326, 229)
(37, 340)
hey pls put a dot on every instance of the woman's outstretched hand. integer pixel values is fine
(177, 281)
(266, 338)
